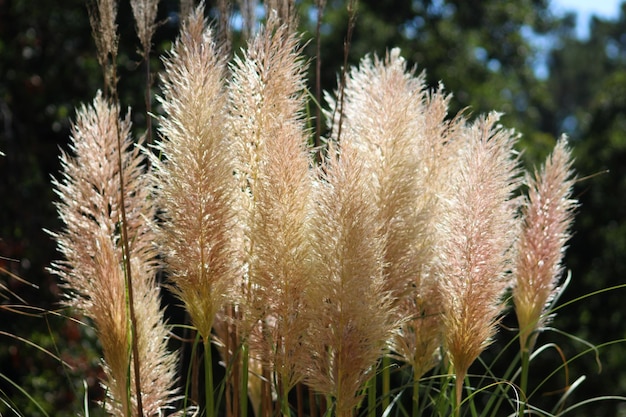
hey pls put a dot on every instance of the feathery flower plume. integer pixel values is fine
(351, 317)
(102, 15)
(195, 185)
(479, 224)
(384, 108)
(397, 127)
(194, 180)
(93, 270)
(547, 217)
(144, 12)
(267, 102)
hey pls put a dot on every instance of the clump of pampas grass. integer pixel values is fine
(401, 242)
(94, 270)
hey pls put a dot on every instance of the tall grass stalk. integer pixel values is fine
(267, 104)
(548, 214)
(195, 188)
(95, 266)
(480, 229)
(104, 28)
(144, 13)
(209, 394)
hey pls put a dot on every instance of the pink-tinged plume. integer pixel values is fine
(93, 269)
(478, 229)
(194, 180)
(547, 217)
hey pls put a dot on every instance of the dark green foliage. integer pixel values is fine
(588, 76)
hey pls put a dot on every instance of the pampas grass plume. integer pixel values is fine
(102, 15)
(479, 227)
(267, 102)
(93, 271)
(398, 129)
(194, 179)
(547, 216)
(144, 12)
(351, 316)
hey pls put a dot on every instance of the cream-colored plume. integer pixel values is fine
(398, 130)
(478, 229)
(93, 269)
(194, 179)
(267, 103)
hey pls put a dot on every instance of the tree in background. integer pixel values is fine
(481, 50)
(588, 84)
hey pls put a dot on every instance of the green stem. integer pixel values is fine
(284, 401)
(416, 394)
(130, 298)
(208, 377)
(371, 397)
(458, 393)
(243, 389)
(525, 353)
(148, 99)
(386, 374)
(189, 371)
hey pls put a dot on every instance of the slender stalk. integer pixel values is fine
(195, 370)
(284, 401)
(318, 72)
(326, 406)
(127, 269)
(386, 376)
(416, 395)
(312, 403)
(266, 393)
(243, 388)
(231, 369)
(458, 394)
(371, 397)
(148, 98)
(235, 359)
(352, 4)
(190, 371)
(525, 356)
(208, 378)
